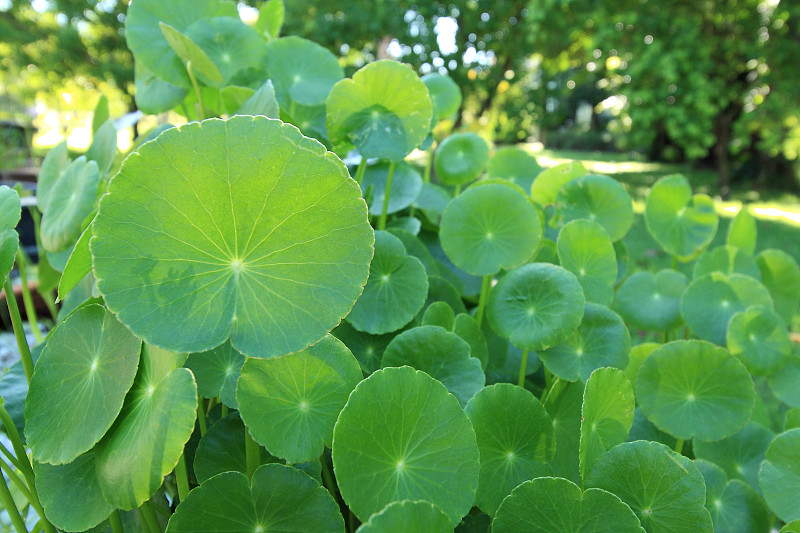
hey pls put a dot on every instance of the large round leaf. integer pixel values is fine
(222, 449)
(585, 249)
(547, 184)
(147, 438)
(784, 383)
(488, 228)
(739, 455)
(695, 389)
(79, 384)
(407, 515)
(277, 499)
(385, 110)
(734, 506)
(536, 306)
(148, 43)
(445, 93)
(607, 415)
(600, 199)
(602, 339)
(70, 201)
(709, 303)
(396, 289)
(514, 164)
(728, 260)
(652, 302)
(758, 337)
(229, 43)
(272, 254)
(664, 489)
(9, 239)
(216, 372)
(440, 354)
(780, 273)
(779, 476)
(556, 505)
(303, 71)
(290, 403)
(406, 186)
(515, 437)
(681, 223)
(461, 158)
(563, 404)
(70, 495)
(403, 436)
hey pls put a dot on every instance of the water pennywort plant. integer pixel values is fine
(237, 349)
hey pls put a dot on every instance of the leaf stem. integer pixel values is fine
(19, 333)
(252, 453)
(674, 262)
(223, 410)
(679, 446)
(23, 488)
(30, 309)
(182, 479)
(523, 366)
(47, 296)
(386, 193)
(202, 108)
(362, 166)
(13, 513)
(116, 523)
(148, 519)
(10, 457)
(428, 164)
(486, 286)
(457, 190)
(201, 416)
(327, 477)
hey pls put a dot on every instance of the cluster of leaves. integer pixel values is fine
(239, 350)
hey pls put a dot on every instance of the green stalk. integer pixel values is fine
(201, 416)
(196, 90)
(252, 454)
(428, 164)
(47, 296)
(11, 508)
(549, 383)
(457, 190)
(223, 410)
(15, 479)
(674, 262)
(182, 479)
(679, 446)
(148, 519)
(116, 523)
(10, 457)
(19, 333)
(327, 477)
(382, 219)
(486, 286)
(362, 166)
(523, 366)
(30, 309)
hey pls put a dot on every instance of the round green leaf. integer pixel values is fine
(664, 489)
(780, 273)
(442, 355)
(79, 384)
(406, 186)
(563, 404)
(222, 449)
(290, 403)
(600, 199)
(154, 95)
(396, 289)
(147, 438)
(739, 455)
(536, 306)
(70, 201)
(784, 383)
(191, 55)
(682, 224)
(278, 499)
(407, 515)
(652, 302)
(461, 158)
(10, 210)
(585, 249)
(439, 314)
(743, 233)
(230, 44)
(779, 476)
(53, 165)
(466, 327)
(226, 243)
(709, 303)
(367, 349)
(488, 228)
(70, 495)
(758, 337)
(547, 184)
(514, 164)
(384, 111)
(148, 43)
(445, 93)
(9, 243)
(515, 437)
(403, 436)
(607, 415)
(734, 506)
(216, 373)
(695, 389)
(556, 505)
(303, 71)
(602, 339)
(728, 260)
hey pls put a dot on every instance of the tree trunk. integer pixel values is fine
(721, 149)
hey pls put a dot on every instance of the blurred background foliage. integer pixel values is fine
(709, 82)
